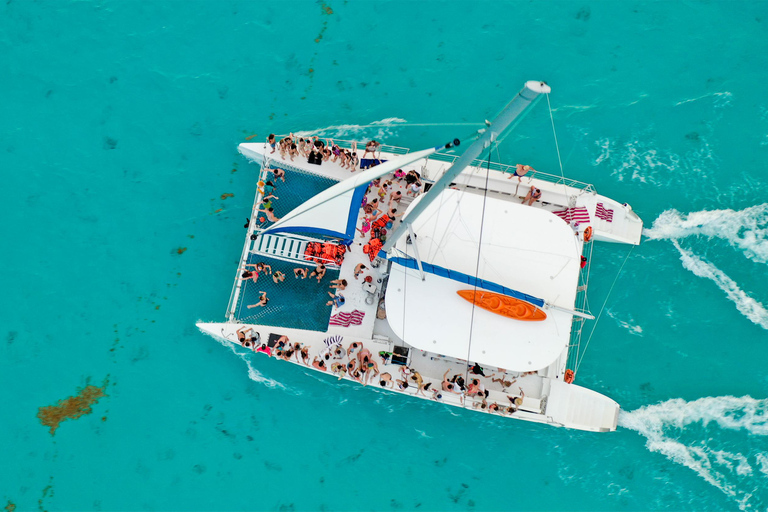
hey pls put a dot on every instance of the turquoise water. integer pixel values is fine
(118, 136)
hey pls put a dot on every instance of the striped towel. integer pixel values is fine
(603, 213)
(347, 319)
(333, 340)
(580, 215)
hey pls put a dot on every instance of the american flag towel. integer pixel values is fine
(580, 215)
(347, 319)
(603, 213)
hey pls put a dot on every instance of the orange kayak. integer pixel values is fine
(504, 305)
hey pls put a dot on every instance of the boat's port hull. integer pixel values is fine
(547, 401)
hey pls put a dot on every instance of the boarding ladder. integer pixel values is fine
(285, 248)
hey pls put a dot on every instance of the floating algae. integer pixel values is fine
(72, 407)
(10, 507)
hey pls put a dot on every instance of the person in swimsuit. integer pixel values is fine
(338, 369)
(271, 142)
(339, 284)
(352, 347)
(319, 364)
(279, 173)
(533, 195)
(319, 272)
(278, 277)
(241, 337)
(300, 272)
(385, 380)
(305, 355)
(451, 387)
(270, 212)
(371, 148)
(262, 301)
(504, 383)
(414, 188)
(247, 274)
(366, 227)
(336, 300)
(264, 348)
(520, 171)
(339, 352)
(359, 269)
(517, 401)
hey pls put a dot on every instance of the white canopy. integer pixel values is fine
(334, 211)
(523, 248)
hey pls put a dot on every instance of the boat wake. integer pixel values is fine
(377, 129)
(708, 436)
(254, 374)
(381, 129)
(746, 230)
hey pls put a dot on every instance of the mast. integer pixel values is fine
(519, 104)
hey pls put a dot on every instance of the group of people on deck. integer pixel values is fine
(268, 196)
(315, 150)
(377, 217)
(360, 365)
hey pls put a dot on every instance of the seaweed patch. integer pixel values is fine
(73, 407)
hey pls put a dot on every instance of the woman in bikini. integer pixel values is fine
(300, 273)
(533, 195)
(263, 301)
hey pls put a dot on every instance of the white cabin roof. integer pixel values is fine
(523, 248)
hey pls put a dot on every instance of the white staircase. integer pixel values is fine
(284, 247)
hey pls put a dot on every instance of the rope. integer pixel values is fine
(557, 145)
(576, 370)
(477, 266)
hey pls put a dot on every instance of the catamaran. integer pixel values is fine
(472, 292)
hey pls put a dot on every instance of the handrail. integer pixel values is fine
(510, 169)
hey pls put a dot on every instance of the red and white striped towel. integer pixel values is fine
(347, 319)
(580, 215)
(601, 212)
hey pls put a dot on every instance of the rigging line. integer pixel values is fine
(557, 145)
(576, 370)
(477, 267)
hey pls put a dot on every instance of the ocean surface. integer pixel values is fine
(119, 125)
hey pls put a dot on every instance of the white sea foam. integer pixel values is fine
(663, 425)
(376, 129)
(254, 374)
(628, 324)
(637, 160)
(721, 99)
(746, 305)
(745, 229)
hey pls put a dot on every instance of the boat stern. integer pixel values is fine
(580, 408)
